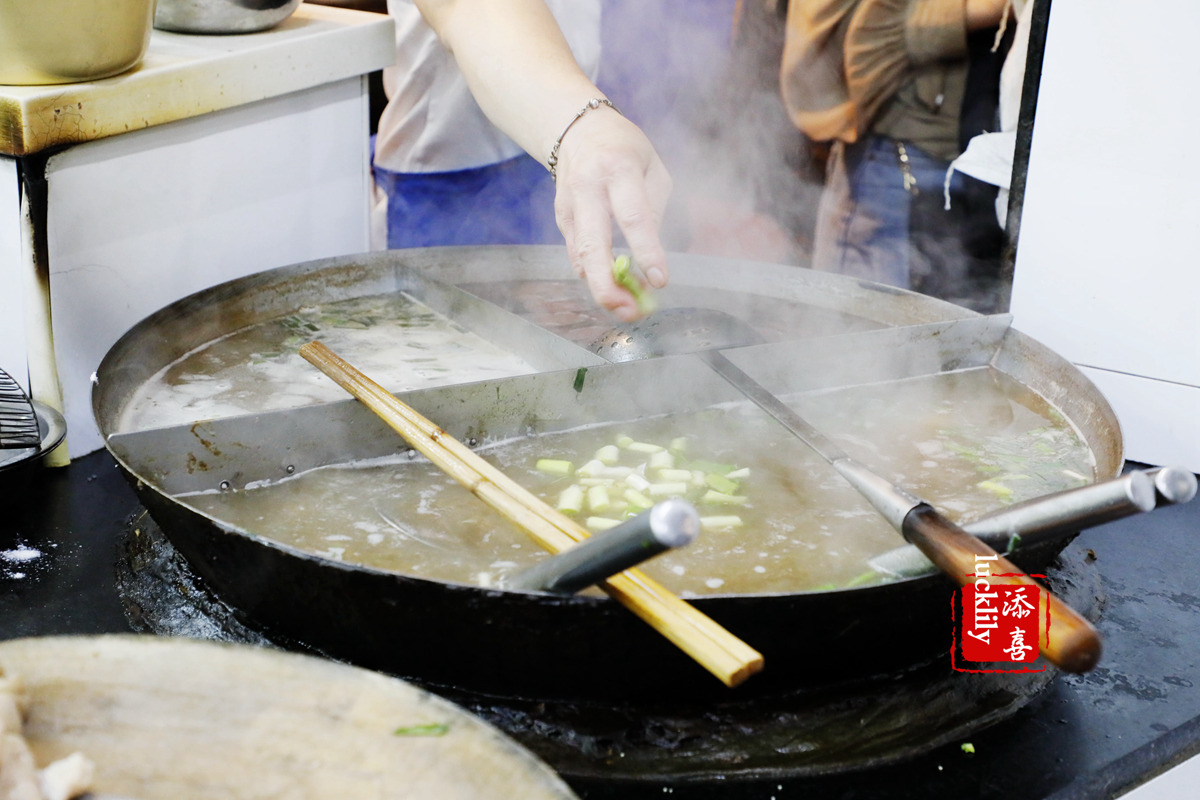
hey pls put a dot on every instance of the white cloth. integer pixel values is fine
(431, 122)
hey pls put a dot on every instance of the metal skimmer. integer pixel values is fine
(18, 422)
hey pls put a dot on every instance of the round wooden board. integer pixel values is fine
(181, 719)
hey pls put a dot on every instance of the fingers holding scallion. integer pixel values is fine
(628, 278)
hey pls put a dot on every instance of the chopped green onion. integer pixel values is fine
(998, 489)
(719, 522)
(430, 729)
(570, 500)
(597, 499)
(870, 576)
(662, 459)
(592, 469)
(719, 498)
(636, 481)
(608, 455)
(601, 523)
(720, 483)
(638, 500)
(623, 276)
(554, 466)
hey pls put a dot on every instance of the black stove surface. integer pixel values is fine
(1091, 736)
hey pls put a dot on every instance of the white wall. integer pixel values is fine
(1108, 266)
(140, 220)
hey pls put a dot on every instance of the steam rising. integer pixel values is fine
(701, 77)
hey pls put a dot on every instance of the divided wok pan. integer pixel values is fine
(821, 331)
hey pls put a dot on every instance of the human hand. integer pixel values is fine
(608, 171)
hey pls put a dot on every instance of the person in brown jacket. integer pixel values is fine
(884, 82)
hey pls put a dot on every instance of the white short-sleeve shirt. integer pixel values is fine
(431, 122)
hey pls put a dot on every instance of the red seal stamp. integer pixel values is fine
(997, 624)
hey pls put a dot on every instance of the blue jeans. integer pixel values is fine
(865, 222)
(507, 203)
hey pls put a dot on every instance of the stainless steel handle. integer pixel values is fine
(669, 524)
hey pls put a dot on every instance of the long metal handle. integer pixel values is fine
(942, 542)
(1060, 514)
(671, 523)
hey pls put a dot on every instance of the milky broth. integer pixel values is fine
(968, 442)
(397, 340)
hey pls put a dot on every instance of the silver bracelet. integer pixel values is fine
(594, 103)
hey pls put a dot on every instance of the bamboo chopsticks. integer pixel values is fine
(716, 649)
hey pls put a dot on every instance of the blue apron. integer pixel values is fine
(511, 202)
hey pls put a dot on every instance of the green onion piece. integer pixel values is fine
(670, 489)
(738, 474)
(608, 455)
(662, 459)
(719, 522)
(998, 489)
(721, 499)
(592, 469)
(678, 445)
(597, 499)
(638, 500)
(675, 475)
(720, 483)
(554, 466)
(624, 276)
(601, 523)
(643, 447)
(968, 748)
(870, 576)
(430, 729)
(636, 481)
(570, 500)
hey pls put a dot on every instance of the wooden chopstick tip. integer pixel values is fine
(749, 669)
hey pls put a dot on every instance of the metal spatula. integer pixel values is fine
(18, 421)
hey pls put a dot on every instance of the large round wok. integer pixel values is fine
(489, 641)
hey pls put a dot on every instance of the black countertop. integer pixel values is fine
(1092, 736)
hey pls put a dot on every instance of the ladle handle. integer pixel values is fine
(1069, 641)
(671, 523)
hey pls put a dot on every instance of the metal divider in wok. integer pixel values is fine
(210, 314)
(507, 643)
(896, 354)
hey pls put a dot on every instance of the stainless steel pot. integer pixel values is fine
(222, 16)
